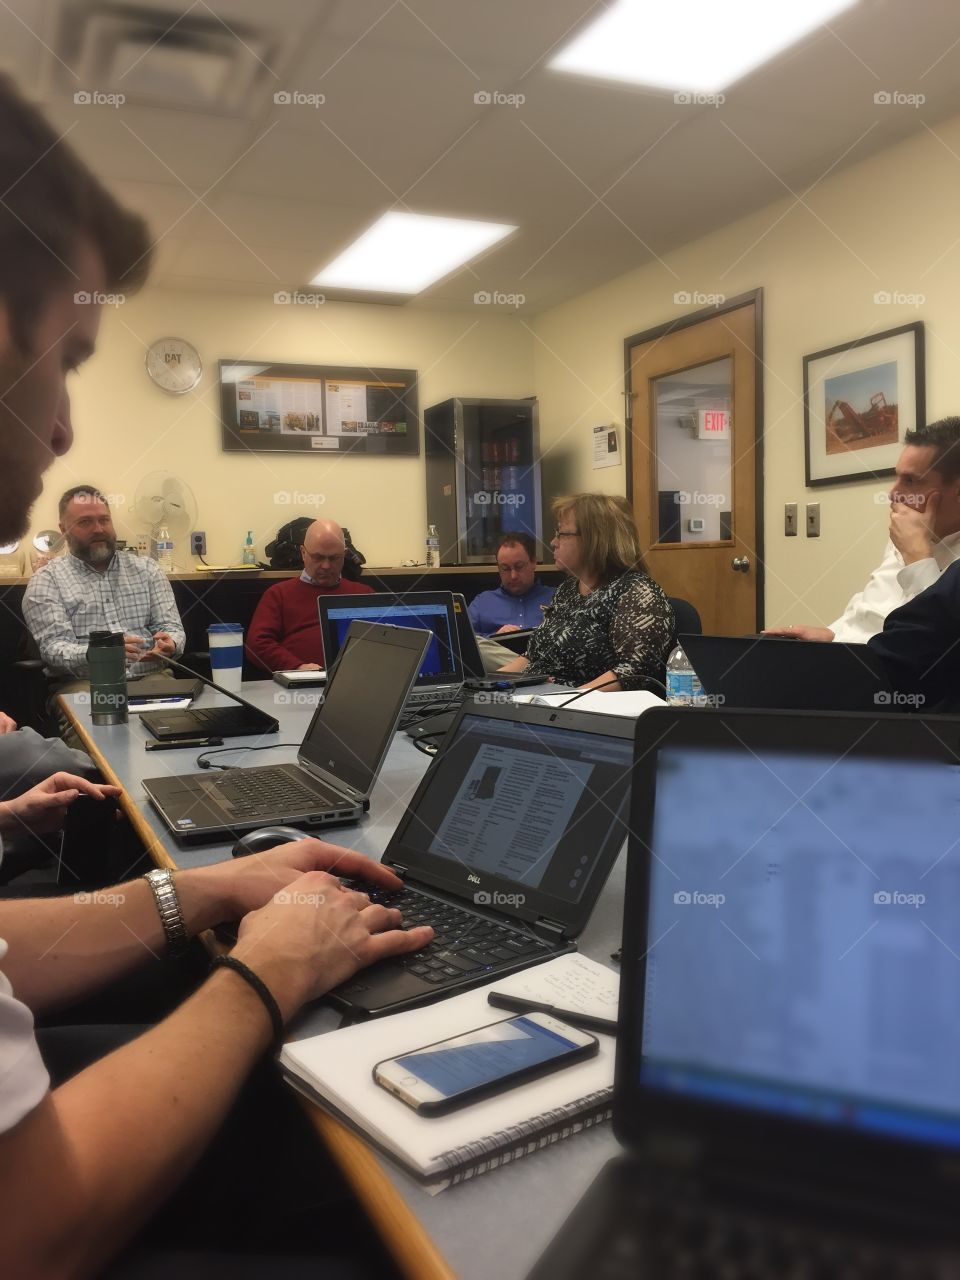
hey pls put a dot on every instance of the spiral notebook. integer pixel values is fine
(336, 1069)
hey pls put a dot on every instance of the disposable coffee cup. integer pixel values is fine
(226, 654)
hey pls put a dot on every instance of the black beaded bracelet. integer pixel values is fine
(259, 986)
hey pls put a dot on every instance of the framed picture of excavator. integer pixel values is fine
(859, 399)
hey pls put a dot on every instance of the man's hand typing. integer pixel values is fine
(315, 934)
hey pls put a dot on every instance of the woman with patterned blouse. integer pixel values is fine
(609, 623)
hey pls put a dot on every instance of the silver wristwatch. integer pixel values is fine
(168, 905)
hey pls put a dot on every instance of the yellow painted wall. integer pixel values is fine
(889, 224)
(126, 427)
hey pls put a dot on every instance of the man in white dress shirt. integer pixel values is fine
(924, 535)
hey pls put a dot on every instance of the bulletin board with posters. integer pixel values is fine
(282, 408)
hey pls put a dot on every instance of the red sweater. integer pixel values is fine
(285, 630)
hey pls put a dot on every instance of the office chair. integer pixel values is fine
(686, 619)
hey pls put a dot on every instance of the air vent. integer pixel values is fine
(159, 57)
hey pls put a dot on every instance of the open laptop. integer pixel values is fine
(474, 673)
(441, 675)
(787, 1088)
(504, 849)
(338, 761)
(803, 675)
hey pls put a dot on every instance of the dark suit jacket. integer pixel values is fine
(920, 644)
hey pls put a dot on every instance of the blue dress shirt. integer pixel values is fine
(491, 610)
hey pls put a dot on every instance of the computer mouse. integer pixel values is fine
(265, 838)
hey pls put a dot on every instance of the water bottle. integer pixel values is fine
(108, 677)
(249, 555)
(683, 684)
(433, 547)
(164, 549)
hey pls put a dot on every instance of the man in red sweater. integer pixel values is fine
(285, 632)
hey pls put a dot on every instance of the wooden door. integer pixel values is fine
(695, 464)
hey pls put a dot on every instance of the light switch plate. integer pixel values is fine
(813, 519)
(790, 519)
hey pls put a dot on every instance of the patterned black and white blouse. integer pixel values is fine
(624, 626)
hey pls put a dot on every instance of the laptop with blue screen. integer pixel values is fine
(787, 1087)
(440, 677)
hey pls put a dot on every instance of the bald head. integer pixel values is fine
(322, 552)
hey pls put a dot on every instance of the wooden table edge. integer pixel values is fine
(404, 1235)
(151, 842)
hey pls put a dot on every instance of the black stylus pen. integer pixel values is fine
(584, 1021)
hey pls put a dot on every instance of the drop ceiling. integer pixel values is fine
(247, 194)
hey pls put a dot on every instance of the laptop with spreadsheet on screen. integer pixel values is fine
(504, 848)
(441, 675)
(339, 759)
(787, 1085)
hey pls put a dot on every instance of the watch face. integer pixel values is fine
(174, 365)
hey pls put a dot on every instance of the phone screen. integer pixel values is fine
(485, 1056)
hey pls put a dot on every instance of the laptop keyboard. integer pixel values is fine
(256, 792)
(439, 693)
(464, 945)
(673, 1240)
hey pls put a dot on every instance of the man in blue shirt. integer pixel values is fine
(516, 605)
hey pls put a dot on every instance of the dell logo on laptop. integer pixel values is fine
(474, 879)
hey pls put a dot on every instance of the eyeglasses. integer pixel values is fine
(568, 533)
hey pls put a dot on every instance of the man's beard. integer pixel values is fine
(96, 552)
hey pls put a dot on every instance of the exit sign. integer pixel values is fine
(713, 424)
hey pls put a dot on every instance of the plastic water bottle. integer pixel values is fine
(164, 549)
(249, 555)
(683, 684)
(433, 547)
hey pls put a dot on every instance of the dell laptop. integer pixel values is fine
(787, 1091)
(504, 849)
(801, 675)
(474, 673)
(338, 761)
(441, 675)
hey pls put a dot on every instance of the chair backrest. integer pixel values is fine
(686, 619)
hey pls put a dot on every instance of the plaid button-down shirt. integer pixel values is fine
(66, 600)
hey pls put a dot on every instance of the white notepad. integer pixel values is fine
(626, 702)
(336, 1070)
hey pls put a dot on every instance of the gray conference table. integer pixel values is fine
(496, 1225)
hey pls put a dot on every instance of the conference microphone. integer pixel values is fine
(195, 675)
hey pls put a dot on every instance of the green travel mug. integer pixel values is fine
(108, 677)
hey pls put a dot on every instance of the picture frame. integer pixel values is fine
(859, 400)
(270, 407)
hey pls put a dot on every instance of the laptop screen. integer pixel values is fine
(352, 727)
(441, 663)
(803, 943)
(533, 805)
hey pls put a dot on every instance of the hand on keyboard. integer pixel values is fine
(315, 934)
(463, 941)
(244, 884)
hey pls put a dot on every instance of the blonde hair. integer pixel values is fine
(609, 541)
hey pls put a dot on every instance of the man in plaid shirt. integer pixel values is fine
(97, 588)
